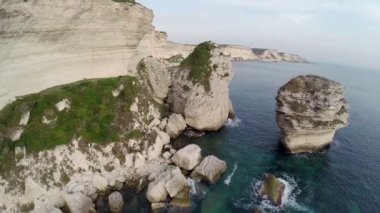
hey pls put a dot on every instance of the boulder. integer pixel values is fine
(156, 191)
(176, 125)
(188, 157)
(210, 169)
(182, 199)
(79, 203)
(100, 182)
(115, 201)
(156, 206)
(272, 189)
(175, 184)
(167, 183)
(200, 88)
(309, 111)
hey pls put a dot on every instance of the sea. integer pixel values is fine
(345, 178)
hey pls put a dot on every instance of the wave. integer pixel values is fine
(289, 200)
(227, 181)
(233, 122)
(197, 189)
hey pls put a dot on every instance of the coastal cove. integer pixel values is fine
(341, 179)
(100, 112)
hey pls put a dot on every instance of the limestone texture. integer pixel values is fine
(309, 111)
(210, 169)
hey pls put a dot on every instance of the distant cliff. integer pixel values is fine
(242, 53)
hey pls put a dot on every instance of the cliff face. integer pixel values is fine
(49, 43)
(309, 111)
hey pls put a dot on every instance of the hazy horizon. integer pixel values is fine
(325, 31)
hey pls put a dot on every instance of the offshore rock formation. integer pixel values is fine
(309, 111)
(200, 88)
(273, 189)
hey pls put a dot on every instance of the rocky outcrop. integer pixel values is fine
(188, 157)
(309, 111)
(210, 169)
(155, 74)
(273, 189)
(168, 183)
(200, 88)
(115, 201)
(176, 125)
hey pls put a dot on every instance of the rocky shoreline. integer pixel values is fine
(71, 176)
(64, 147)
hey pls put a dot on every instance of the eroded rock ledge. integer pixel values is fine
(309, 111)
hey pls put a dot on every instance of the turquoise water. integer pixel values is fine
(346, 178)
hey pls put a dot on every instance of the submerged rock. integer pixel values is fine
(273, 189)
(193, 133)
(210, 169)
(115, 201)
(188, 157)
(309, 111)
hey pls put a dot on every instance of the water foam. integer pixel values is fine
(288, 199)
(227, 181)
(193, 188)
(233, 122)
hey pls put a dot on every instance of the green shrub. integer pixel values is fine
(199, 64)
(95, 114)
(136, 134)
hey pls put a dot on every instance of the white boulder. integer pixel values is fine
(188, 157)
(115, 201)
(79, 203)
(210, 169)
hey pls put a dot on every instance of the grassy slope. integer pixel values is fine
(95, 114)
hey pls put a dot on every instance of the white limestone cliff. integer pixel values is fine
(49, 43)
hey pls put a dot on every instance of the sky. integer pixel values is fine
(344, 32)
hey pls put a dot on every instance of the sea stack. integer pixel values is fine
(200, 88)
(309, 111)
